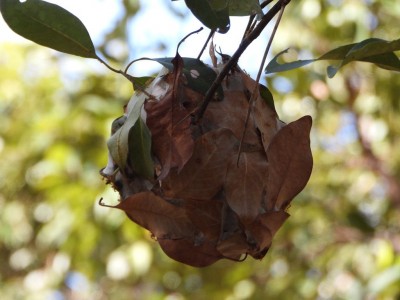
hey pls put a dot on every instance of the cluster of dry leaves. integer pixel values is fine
(202, 200)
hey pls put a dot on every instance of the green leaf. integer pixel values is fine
(140, 83)
(211, 13)
(376, 51)
(48, 25)
(118, 142)
(199, 76)
(117, 124)
(244, 8)
(140, 149)
(266, 95)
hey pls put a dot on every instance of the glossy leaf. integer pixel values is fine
(211, 14)
(376, 51)
(215, 13)
(48, 25)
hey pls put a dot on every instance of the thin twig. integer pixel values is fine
(206, 43)
(189, 34)
(265, 3)
(145, 58)
(112, 69)
(250, 24)
(270, 43)
(234, 59)
(255, 91)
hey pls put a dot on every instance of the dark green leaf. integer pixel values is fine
(117, 124)
(244, 8)
(140, 83)
(199, 76)
(49, 25)
(140, 149)
(267, 96)
(274, 66)
(377, 51)
(211, 14)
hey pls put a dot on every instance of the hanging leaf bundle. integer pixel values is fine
(208, 181)
(213, 188)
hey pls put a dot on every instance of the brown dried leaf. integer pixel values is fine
(204, 174)
(206, 216)
(290, 163)
(169, 124)
(234, 246)
(161, 218)
(245, 185)
(232, 242)
(265, 118)
(230, 113)
(263, 229)
(273, 220)
(230, 223)
(260, 237)
(187, 252)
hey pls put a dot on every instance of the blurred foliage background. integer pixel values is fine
(342, 240)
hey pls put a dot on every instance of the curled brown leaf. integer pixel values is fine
(290, 163)
(169, 124)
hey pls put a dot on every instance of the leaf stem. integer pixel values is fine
(206, 43)
(113, 69)
(251, 23)
(235, 58)
(249, 27)
(182, 40)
